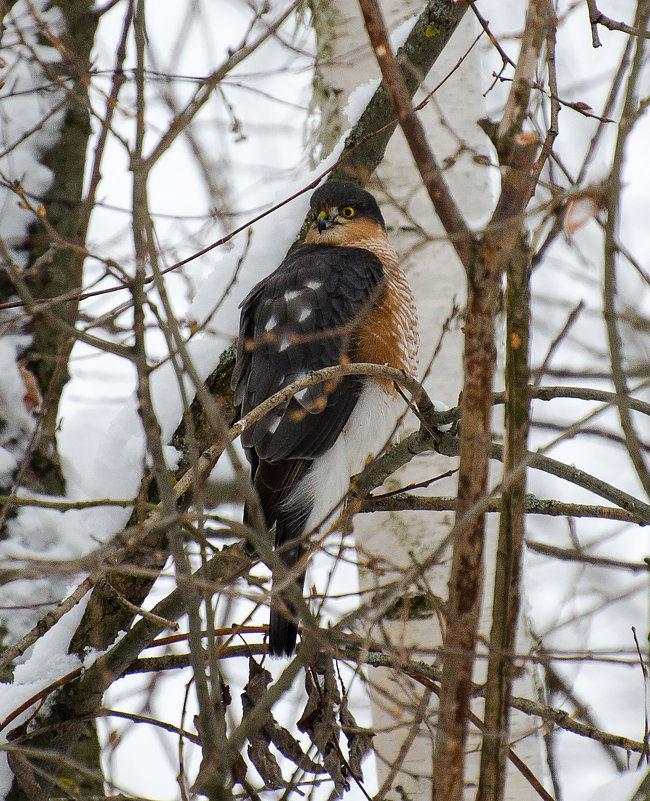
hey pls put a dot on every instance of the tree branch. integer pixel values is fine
(629, 116)
(394, 80)
(596, 18)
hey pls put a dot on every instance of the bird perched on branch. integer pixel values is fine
(341, 297)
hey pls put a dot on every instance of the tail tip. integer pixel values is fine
(282, 635)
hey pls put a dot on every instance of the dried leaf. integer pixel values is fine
(359, 740)
(32, 397)
(271, 732)
(580, 210)
(319, 719)
(264, 761)
(226, 697)
(209, 780)
(258, 749)
(238, 770)
(289, 747)
(258, 680)
(207, 776)
(335, 768)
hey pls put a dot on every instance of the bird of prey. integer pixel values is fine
(340, 297)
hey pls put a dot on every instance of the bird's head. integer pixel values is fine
(344, 214)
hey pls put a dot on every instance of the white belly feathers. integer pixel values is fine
(363, 437)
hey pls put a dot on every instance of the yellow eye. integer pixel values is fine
(348, 212)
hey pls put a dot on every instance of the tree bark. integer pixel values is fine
(54, 248)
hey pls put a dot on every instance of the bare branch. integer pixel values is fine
(596, 18)
(629, 116)
(441, 198)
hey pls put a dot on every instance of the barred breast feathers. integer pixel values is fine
(389, 333)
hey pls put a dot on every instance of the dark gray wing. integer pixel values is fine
(301, 318)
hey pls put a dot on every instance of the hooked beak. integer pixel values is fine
(323, 222)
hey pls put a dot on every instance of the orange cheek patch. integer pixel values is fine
(348, 233)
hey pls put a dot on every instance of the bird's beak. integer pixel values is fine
(323, 222)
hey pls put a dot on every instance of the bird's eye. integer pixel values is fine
(348, 212)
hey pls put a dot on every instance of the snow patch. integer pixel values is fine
(623, 788)
(48, 662)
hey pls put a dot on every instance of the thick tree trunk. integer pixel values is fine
(54, 264)
(405, 713)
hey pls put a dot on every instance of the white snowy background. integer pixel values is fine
(256, 162)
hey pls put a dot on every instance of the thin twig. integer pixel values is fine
(629, 116)
(596, 18)
(448, 212)
(534, 505)
(538, 374)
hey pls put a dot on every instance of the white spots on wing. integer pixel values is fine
(314, 284)
(271, 323)
(273, 425)
(284, 344)
(298, 308)
(300, 395)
